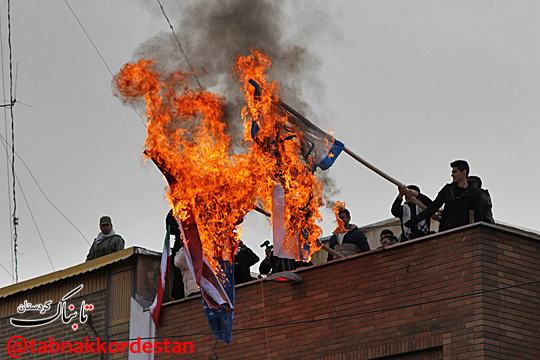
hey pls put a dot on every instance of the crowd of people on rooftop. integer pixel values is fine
(463, 201)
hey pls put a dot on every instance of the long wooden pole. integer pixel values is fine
(394, 181)
(351, 153)
(332, 251)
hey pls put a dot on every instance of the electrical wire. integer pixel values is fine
(4, 143)
(49, 200)
(89, 38)
(14, 224)
(45, 195)
(14, 177)
(6, 270)
(7, 154)
(180, 45)
(15, 219)
(102, 58)
(35, 223)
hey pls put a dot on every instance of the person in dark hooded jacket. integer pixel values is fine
(486, 199)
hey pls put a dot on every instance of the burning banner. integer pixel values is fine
(291, 189)
(186, 137)
(317, 148)
(211, 186)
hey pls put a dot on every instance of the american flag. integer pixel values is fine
(211, 288)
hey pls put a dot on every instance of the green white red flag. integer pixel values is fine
(164, 269)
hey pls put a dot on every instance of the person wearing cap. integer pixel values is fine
(107, 240)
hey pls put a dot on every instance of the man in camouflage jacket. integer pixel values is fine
(107, 240)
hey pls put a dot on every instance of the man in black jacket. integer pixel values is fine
(243, 259)
(458, 199)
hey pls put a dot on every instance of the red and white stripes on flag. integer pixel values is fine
(155, 308)
(211, 288)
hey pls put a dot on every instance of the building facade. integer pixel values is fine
(115, 289)
(466, 293)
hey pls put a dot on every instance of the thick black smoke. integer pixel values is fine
(214, 32)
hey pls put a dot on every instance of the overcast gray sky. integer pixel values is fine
(408, 85)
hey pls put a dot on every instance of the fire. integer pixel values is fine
(186, 138)
(278, 151)
(340, 229)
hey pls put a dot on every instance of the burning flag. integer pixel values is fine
(186, 139)
(290, 189)
(318, 147)
(217, 290)
(220, 320)
(212, 185)
(212, 290)
(293, 147)
(186, 135)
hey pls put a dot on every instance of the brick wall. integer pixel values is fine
(57, 330)
(509, 319)
(410, 301)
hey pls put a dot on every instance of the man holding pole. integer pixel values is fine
(459, 199)
(408, 210)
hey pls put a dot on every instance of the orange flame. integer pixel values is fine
(279, 156)
(185, 134)
(340, 229)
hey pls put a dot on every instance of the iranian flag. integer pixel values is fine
(155, 308)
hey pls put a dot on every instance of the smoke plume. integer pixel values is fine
(213, 33)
